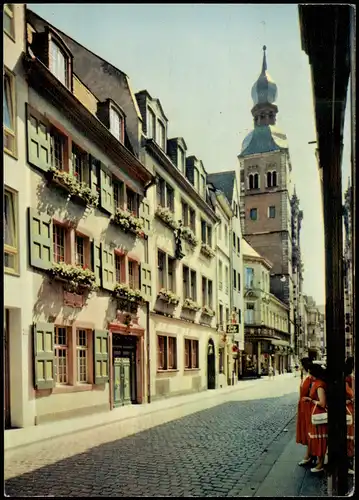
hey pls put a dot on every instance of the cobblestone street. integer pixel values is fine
(208, 453)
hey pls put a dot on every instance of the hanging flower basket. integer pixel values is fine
(69, 183)
(188, 235)
(124, 292)
(168, 296)
(191, 305)
(167, 217)
(127, 222)
(208, 311)
(207, 250)
(77, 277)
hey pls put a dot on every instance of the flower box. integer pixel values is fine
(127, 222)
(167, 217)
(207, 250)
(79, 191)
(208, 311)
(168, 296)
(191, 305)
(124, 292)
(78, 278)
(188, 235)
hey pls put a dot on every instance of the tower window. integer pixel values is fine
(253, 181)
(253, 214)
(271, 212)
(274, 179)
(271, 179)
(256, 181)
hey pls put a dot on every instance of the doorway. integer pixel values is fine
(7, 416)
(211, 366)
(124, 370)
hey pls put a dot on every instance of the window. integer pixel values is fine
(181, 160)
(238, 245)
(170, 198)
(249, 277)
(133, 275)
(203, 185)
(79, 251)
(274, 179)
(171, 267)
(161, 258)
(116, 124)
(220, 275)
(209, 236)
(234, 241)
(161, 135)
(166, 352)
(253, 214)
(61, 355)
(226, 235)
(239, 281)
(227, 314)
(203, 231)
(60, 235)
(9, 24)
(160, 191)
(234, 279)
(58, 63)
(196, 179)
(207, 292)
(11, 256)
(221, 315)
(253, 181)
(271, 212)
(57, 150)
(227, 280)
(249, 314)
(193, 285)
(221, 360)
(151, 124)
(192, 219)
(79, 165)
(82, 356)
(9, 114)
(271, 179)
(191, 354)
(132, 201)
(186, 284)
(184, 213)
(120, 263)
(118, 194)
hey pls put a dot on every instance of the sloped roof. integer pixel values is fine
(248, 250)
(264, 139)
(224, 181)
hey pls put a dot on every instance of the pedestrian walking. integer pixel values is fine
(270, 372)
(349, 393)
(304, 409)
(318, 426)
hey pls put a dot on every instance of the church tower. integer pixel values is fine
(266, 190)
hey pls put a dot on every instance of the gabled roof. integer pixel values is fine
(249, 251)
(224, 181)
(154, 99)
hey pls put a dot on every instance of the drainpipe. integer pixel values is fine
(148, 352)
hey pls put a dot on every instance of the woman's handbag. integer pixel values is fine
(319, 418)
(349, 417)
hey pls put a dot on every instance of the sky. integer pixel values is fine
(201, 61)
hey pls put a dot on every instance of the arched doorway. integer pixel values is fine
(211, 365)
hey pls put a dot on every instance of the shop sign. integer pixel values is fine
(233, 328)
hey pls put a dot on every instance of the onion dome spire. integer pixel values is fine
(264, 91)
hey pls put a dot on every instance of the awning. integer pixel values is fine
(280, 342)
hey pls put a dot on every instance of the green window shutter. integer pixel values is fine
(145, 215)
(40, 240)
(44, 356)
(96, 261)
(94, 174)
(101, 357)
(108, 267)
(106, 193)
(146, 281)
(38, 140)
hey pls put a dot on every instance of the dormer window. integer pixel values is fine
(196, 179)
(58, 63)
(116, 124)
(181, 160)
(151, 124)
(161, 136)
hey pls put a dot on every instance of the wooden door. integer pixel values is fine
(122, 381)
(117, 382)
(126, 381)
(6, 372)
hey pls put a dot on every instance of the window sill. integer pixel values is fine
(11, 272)
(172, 370)
(192, 369)
(13, 154)
(65, 389)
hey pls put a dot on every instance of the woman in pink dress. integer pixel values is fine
(304, 409)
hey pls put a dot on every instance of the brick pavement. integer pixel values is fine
(208, 453)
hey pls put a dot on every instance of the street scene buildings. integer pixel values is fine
(142, 285)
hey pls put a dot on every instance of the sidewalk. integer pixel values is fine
(132, 414)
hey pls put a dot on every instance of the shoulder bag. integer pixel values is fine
(319, 418)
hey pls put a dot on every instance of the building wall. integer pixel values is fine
(17, 179)
(237, 265)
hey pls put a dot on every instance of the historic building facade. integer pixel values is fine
(315, 329)
(267, 341)
(184, 343)
(265, 169)
(227, 183)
